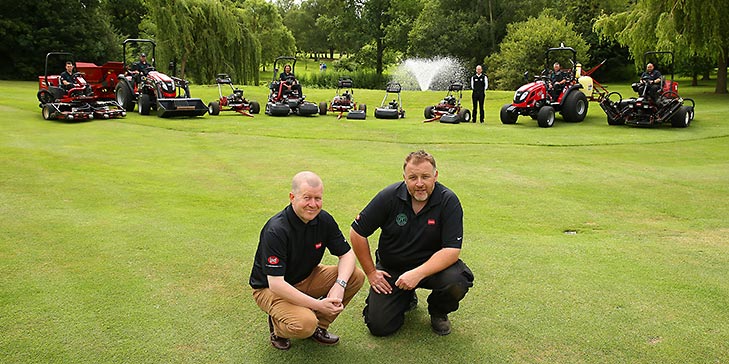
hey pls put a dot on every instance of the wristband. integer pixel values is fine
(342, 283)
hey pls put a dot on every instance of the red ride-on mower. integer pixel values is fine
(539, 100)
(153, 90)
(650, 108)
(74, 102)
(344, 102)
(449, 110)
(393, 109)
(281, 100)
(233, 102)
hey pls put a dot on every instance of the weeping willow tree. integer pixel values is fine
(689, 28)
(204, 38)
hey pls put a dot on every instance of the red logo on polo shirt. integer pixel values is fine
(317, 245)
(431, 221)
(273, 260)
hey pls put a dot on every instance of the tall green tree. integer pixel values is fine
(301, 20)
(688, 27)
(126, 15)
(266, 24)
(205, 38)
(29, 29)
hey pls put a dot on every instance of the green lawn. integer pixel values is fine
(131, 240)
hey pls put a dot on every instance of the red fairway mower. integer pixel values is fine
(449, 109)
(233, 102)
(75, 102)
(344, 102)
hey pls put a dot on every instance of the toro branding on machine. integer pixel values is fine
(154, 90)
(81, 100)
(233, 102)
(285, 98)
(344, 102)
(393, 109)
(449, 110)
(652, 107)
(541, 98)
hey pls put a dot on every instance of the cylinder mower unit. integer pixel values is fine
(540, 99)
(343, 102)
(449, 110)
(74, 102)
(233, 102)
(153, 90)
(392, 109)
(283, 98)
(652, 107)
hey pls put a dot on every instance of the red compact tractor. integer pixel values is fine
(233, 102)
(449, 110)
(81, 100)
(541, 98)
(344, 102)
(153, 90)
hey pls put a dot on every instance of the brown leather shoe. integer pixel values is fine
(280, 343)
(323, 337)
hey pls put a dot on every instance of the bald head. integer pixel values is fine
(305, 177)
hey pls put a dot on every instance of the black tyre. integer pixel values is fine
(48, 112)
(508, 117)
(428, 113)
(682, 117)
(574, 107)
(278, 109)
(545, 118)
(464, 116)
(45, 97)
(124, 96)
(214, 108)
(323, 108)
(255, 107)
(145, 104)
(362, 107)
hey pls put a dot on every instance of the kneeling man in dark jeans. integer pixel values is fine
(419, 247)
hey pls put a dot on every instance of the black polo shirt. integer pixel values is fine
(290, 248)
(407, 239)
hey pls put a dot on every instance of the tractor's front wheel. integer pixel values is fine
(545, 118)
(48, 112)
(124, 96)
(508, 117)
(145, 104)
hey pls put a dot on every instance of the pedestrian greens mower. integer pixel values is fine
(393, 109)
(283, 101)
(75, 102)
(233, 102)
(449, 110)
(650, 107)
(154, 90)
(540, 99)
(344, 102)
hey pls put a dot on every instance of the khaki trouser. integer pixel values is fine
(291, 321)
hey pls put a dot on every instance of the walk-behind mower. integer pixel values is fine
(540, 99)
(283, 101)
(449, 109)
(650, 108)
(153, 90)
(344, 102)
(233, 102)
(74, 102)
(393, 109)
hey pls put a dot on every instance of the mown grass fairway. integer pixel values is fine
(132, 240)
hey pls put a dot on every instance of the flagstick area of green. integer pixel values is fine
(131, 240)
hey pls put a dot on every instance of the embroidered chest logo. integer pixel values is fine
(431, 221)
(401, 219)
(273, 260)
(317, 245)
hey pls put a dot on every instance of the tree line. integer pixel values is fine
(241, 37)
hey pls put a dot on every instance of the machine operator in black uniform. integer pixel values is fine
(479, 85)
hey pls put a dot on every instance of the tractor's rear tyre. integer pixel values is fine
(574, 107)
(545, 118)
(508, 117)
(145, 104)
(464, 116)
(214, 108)
(682, 117)
(124, 96)
(428, 113)
(48, 112)
(255, 107)
(323, 108)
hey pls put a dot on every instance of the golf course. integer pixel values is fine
(131, 240)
